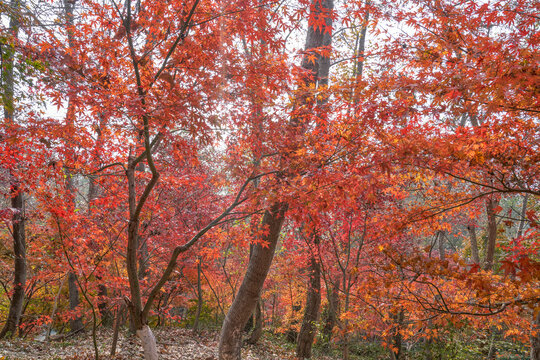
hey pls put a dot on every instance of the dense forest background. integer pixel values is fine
(360, 175)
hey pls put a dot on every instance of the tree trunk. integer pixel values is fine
(75, 323)
(491, 204)
(16, 193)
(144, 257)
(333, 311)
(104, 311)
(441, 245)
(199, 298)
(116, 328)
(535, 338)
(397, 339)
(138, 321)
(523, 215)
(311, 312)
(148, 341)
(19, 251)
(258, 324)
(474, 243)
(244, 303)
(245, 300)
(313, 300)
(103, 308)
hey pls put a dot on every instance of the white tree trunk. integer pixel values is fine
(148, 343)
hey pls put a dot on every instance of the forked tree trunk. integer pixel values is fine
(17, 196)
(313, 303)
(230, 342)
(258, 324)
(138, 320)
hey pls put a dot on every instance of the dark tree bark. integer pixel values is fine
(103, 308)
(75, 324)
(307, 332)
(313, 303)
(397, 338)
(19, 252)
(16, 193)
(245, 300)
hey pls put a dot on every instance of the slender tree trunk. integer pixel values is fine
(245, 300)
(397, 339)
(333, 311)
(523, 215)
(474, 243)
(16, 193)
(535, 338)
(135, 305)
(313, 303)
(55, 307)
(144, 257)
(491, 204)
(116, 328)
(75, 323)
(199, 298)
(103, 307)
(74, 301)
(19, 251)
(345, 323)
(441, 245)
(313, 300)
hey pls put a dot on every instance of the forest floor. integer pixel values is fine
(173, 343)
